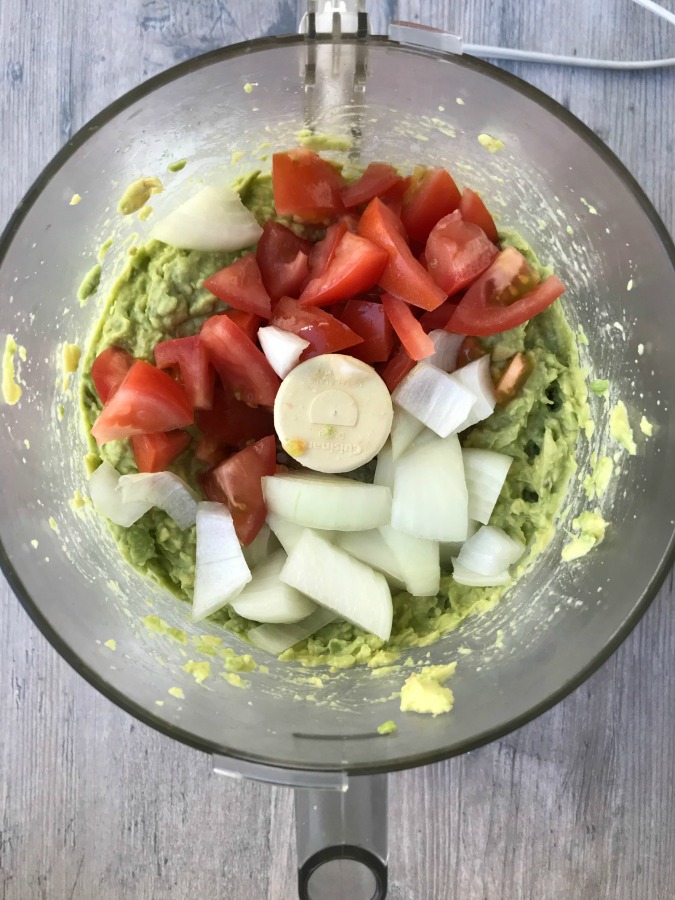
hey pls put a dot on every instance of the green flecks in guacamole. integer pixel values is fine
(89, 284)
(177, 166)
(138, 193)
(387, 727)
(199, 670)
(600, 387)
(159, 626)
(620, 430)
(423, 692)
(11, 389)
(591, 527)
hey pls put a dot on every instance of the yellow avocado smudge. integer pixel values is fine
(11, 391)
(138, 193)
(596, 484)
(74, 200)
(177, 693)
(620, 430)
(234, 679)
(177, 166)
(491, 144)
(111, 644)
(592, 529)
(423, 692)
(646, 426)
(89, 284)
(387, 727)
(199, 670)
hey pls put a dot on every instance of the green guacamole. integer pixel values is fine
(160, 295)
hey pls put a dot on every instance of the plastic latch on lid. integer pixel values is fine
(416, 35)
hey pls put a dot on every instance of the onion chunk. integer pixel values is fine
(221, 570)
(267, 599)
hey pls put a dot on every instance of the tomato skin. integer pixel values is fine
(240, 285)
(156, 452)
(248, 323)
(439, 317)
(367, 319)
(325, 333)
(109, 370)
(146, 402)
(457, 252)
(241, 366)
(306, 186)
(192, 360)
(403, 275)
(377, 179)
(231, 423)
(322, 253)
(237, 482)
(475, 211)
(417, 344)
(432, 194)
(283, 260)
(393, 198)
(355, 268)
(482, 310)
(396, 369)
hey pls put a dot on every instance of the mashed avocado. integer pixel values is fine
(160, 295)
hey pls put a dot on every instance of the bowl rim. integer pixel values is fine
(137, 710)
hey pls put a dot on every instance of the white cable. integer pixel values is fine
(532, 56)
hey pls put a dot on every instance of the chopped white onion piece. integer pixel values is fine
(418, 560)
(327, 501)
(262, 546)
(267, 599)
(448, 551)
(475, 377)
(108, 501)
(437, 399)
(430, 496)
(164, 490)
(404, 429)
(336, 580)
(213, 219)
(465, 576)
(371, 548)
(221, 570)
(283, 349)
(446, 346)
(277, 638)
(485, 472)
(490, 551)
(384, 469)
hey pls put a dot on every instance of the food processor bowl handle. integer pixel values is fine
(341, 828)
(342, 840)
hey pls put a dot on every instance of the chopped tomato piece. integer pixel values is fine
(457, 252)
(396, 369)
(241, 366)
(306, 186)
(147, 401)
(403, 275)
(322, 253)
(231, 423)
(350, 220)
(156, 452)
(240, 285)
(248, 323)
(482, 310)
(432, 194)
(367, 319)
(108, 371)
(438, 318)
(210, 450)
(394, 196)
(283, 260)
(192, 360)
(512, 378)
(418, 345)
(355, 268)
(377, 179)
(474, 210)
(237, 482)
(325, 333)
(469, 351)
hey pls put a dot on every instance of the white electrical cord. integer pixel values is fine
(531, 56)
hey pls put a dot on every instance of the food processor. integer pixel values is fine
(407, 99)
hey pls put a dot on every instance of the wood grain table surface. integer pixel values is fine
(578, 805)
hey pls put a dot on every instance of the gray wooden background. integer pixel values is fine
(579, 805)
